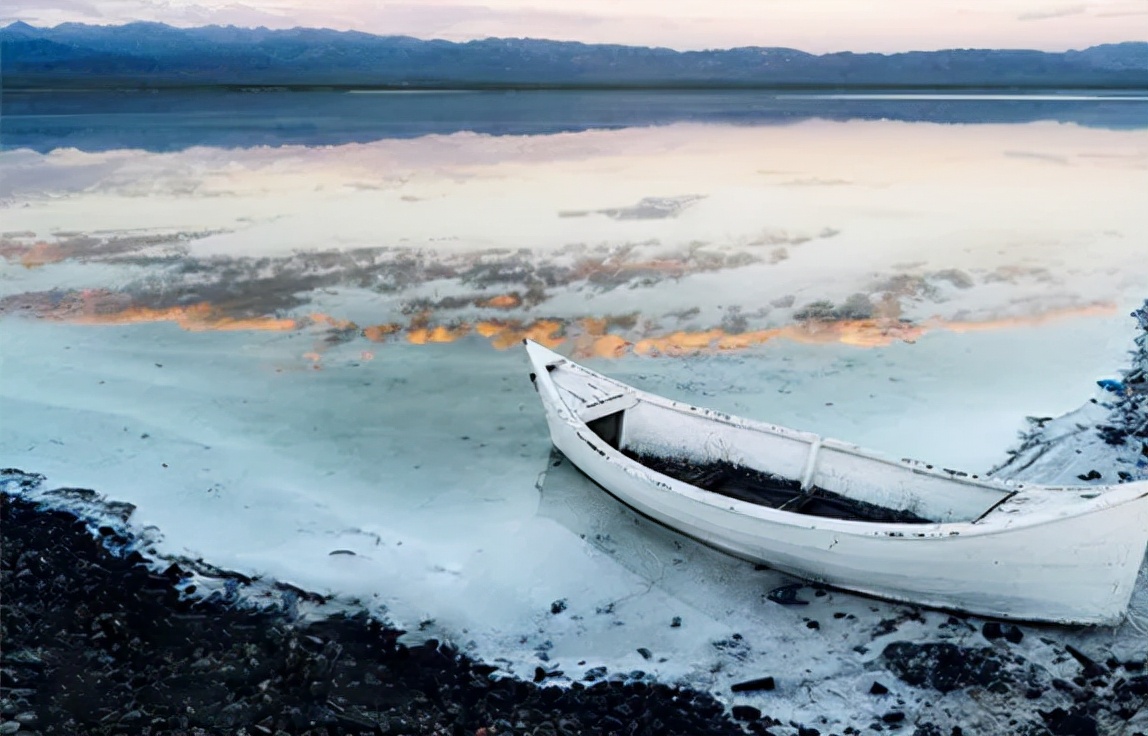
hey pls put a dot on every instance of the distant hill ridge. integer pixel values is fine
(154, 54)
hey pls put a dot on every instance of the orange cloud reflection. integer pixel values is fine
(339, 324)
(423, 335)
(41, 254)
(503, 301)
(859, 333)
(1052, 315)
(591, 337)
(194, 318)
(379, 333)
(105, 307)
(503, 335)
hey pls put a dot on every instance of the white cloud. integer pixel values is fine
(1053, 12)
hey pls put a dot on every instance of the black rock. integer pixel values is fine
(1134, 687)
(758, 728)
(1074, 723)
(992, 630)
(745, 713)
(676, 622)
(594, 673)
(878, 689)
(894, 716)
(944, 666)
(558, 606)
(610, 724)
(760, 683)
(1091, 668)
(1013, 634)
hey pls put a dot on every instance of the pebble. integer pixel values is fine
(786, 595)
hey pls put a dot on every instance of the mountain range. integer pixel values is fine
(158, 55)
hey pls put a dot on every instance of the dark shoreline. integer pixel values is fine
(96, 642)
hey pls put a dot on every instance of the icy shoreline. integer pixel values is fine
(938, 667)
(1105, 441)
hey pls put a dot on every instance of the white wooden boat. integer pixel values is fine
(830, 512)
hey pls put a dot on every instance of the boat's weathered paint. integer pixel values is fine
(1018, 551)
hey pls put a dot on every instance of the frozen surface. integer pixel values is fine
(279, 353)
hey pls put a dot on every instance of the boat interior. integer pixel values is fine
(755, 486)
(771, 466)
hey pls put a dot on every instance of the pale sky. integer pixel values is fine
(812, 25)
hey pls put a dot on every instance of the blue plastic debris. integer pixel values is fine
(1141, 314)
(1111, 384)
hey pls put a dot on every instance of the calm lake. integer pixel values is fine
(285, 323)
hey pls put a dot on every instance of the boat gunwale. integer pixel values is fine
(992, 521)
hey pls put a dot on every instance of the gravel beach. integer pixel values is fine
(98, 643)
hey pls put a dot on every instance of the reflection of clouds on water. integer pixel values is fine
(512, 191)
(443, 222)
(1038, 156)
(857, 322)
(692, 240)
(650, 208)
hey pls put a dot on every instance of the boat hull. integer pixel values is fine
(1078, 568)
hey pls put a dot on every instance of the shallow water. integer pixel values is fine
(175, 120)
(284, 324)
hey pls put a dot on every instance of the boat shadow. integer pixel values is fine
(705, 578)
